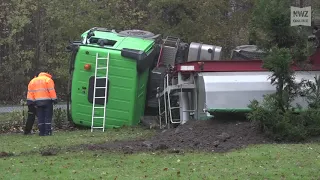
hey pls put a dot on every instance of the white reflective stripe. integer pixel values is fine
(39, 99)
(47, 123)
(42, 89)
(40, 123)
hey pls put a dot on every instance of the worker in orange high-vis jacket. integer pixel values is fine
(31, 109)
(42, 91)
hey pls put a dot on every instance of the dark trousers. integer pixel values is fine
(30, 120)
(45, 113)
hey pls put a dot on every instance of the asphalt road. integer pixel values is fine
(8, 109)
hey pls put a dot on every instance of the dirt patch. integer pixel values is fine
(212, 135)
(5, 154)
(49, 151)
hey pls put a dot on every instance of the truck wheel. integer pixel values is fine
(136, 33)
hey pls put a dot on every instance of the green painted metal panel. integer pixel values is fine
(123, 42)
(127, 87)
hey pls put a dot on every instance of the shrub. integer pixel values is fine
(60, 118)
(312, 121)
(292, 124)
(12, 122)
(15, 121)
(278, 125)
(284, 45)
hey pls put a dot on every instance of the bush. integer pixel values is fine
(276, 116)
(278, 125)
(60, 119)
(293, 124)
(312, 121)
(15, 121)
(284, 45)
(12, 122)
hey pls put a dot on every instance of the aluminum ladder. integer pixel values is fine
(94, 108)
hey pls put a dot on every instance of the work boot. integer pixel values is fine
(41, 133)
(27, 133)
(49, 133)
(42, 130)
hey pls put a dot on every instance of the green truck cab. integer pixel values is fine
(130, 60)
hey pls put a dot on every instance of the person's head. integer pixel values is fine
(48, 74)
(36, 73)
(43, 70)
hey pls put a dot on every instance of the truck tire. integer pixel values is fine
(136, 33)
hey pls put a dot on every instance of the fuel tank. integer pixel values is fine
(204, 52)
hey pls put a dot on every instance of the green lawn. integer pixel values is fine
(255, 162)
(18, 143)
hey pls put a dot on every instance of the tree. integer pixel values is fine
(284, 46)
(34, 34)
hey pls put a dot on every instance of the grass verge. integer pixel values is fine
(259, 162)
(18, 143)
(282, 161)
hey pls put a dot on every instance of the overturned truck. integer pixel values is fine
(118, 77)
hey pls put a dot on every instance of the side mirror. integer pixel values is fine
(72, 45)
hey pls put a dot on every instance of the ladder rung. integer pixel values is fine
(189, 110)
(102, 58)
(102, 68)
(98, 117)
(99, 107)
(100, 77)
(162, 113)
(97, 127)
(101, 97)
(100, 87)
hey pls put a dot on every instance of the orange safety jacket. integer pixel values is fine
(30, 96)
(41, 89)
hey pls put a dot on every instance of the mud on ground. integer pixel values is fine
(210, 135)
